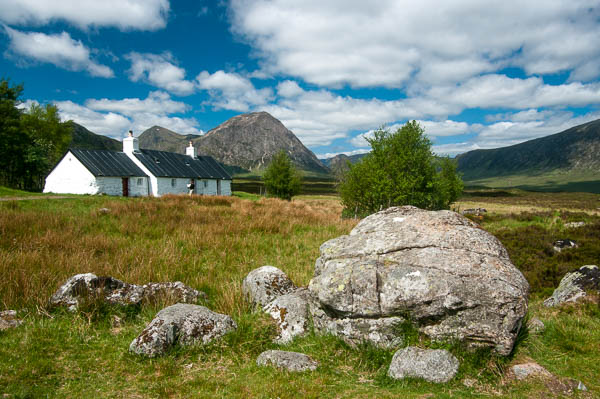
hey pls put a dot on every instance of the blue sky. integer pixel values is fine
(476, 74)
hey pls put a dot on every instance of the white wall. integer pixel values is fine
(70, 177)
(226, 187)
(164, 185)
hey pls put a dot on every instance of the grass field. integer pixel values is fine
(211, 243)
(553, 181)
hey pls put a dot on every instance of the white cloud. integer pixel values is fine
(115, 117)
(109, 124)
(60, 50)
(159, 70)
(398, 43)
(157, 102)
(232, 91)
(122, 14)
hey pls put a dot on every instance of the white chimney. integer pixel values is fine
(130, 144)
(190, 150)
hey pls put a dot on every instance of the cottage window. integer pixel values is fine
(173, 182)
(205, 183)
(140, 181)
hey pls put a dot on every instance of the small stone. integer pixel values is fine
(573, 225)
(536, 325)
(565, 243)
(8, 319)
(103, 211)
(581, 386)
(437, 365)
(266, 283)
(291, 313)
(531, 369)
(181, 323)
(291, 361)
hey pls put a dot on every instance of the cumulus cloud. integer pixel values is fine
(60, 50)
(159, 70)
(157, 102)
(397, 43)
(109, 124)
(121, 14)
(232, 91)
(333, 154)
(114, 118)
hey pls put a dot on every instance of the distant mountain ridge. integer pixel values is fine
(575, 149)
(84, 139)
(247, 141)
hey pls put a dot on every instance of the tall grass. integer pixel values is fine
(209, 243)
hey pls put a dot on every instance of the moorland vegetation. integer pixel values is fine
(211, 243)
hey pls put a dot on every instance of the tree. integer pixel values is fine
(281, 178)
(31, 140)
(399, 170)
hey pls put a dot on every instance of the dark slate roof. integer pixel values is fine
(170, 164)
(107, 163)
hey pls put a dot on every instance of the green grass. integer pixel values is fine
(211, 243)
(11, 192)
(554, 181)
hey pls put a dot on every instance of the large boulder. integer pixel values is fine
(438, 270)
(263, 285)
(114, 291)
(185, 324)
(437, 365)
(574, 285)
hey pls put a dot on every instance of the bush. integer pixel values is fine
(281, 178)
(399, 170)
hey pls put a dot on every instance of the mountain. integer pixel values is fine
(251, 140)
(577, 148)
(244, 142)
(162, 139)
(84, 139)
(339, 163)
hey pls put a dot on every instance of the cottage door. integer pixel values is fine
(125, 187)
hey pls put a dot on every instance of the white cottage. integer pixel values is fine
(136, 172)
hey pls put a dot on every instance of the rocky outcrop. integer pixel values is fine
(181, 323)
(432, 365)
(263, 285)
(291, 361)
(438, 270)
(574, 285)
(8, 319)
(113, 291)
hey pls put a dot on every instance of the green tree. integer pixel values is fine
(281, 178)
(400, 170)
(31, 140)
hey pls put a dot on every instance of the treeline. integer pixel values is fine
(31, 139)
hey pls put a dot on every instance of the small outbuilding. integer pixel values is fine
(136, 172)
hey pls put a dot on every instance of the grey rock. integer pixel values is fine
(266, 283)
(474, 211)
(565, 243)
(574, 225)
(437, 365)
(574, 285)
(452, 279)
(536, 325)
(291, 313)
(581, 386)
(8, 319)
(114, 291)
(185, 324)
(531, 369)
(291, 361)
